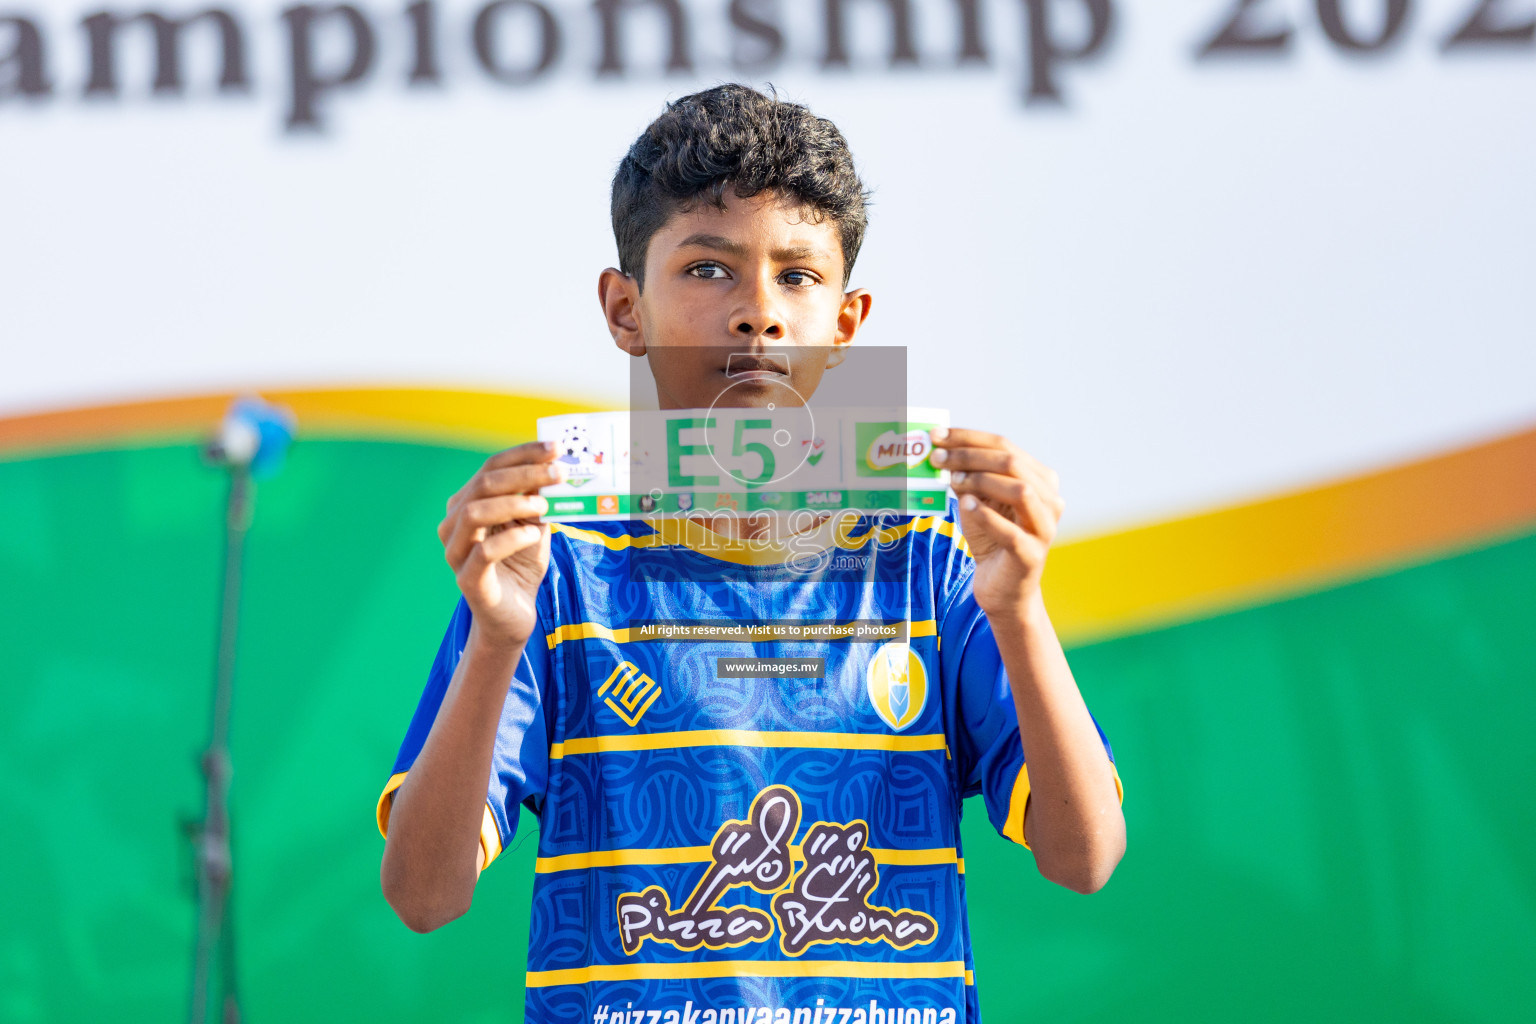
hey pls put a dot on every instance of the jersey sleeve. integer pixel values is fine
(520, 761)
(988, 750)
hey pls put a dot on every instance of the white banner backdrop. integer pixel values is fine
(1187, 253)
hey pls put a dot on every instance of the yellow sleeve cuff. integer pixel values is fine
(1018, 803)
(490, 835)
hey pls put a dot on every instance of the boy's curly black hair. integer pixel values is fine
(735, 137)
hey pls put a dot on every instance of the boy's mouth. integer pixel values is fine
(757, 366)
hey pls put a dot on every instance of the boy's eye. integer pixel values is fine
(708, 271)
(798, 278)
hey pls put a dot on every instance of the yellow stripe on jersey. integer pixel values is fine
(701, 854)
(587, 631)
(621, 858)
(746, 738)
(917, 858)
(633, 635)
(747, 969)
(618, 543)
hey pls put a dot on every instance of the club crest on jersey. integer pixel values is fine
(633, 692)
(898, 684)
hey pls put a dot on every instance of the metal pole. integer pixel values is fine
(213, 973)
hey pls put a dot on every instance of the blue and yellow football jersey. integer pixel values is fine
(724, 850)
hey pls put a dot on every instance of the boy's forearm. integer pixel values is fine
(1073, 824)
(432, 856)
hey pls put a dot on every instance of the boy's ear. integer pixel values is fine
(850, 317)
(619, 295)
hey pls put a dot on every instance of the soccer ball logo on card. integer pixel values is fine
(898, 684)
(579, 454)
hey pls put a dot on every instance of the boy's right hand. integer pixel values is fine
(494, 540)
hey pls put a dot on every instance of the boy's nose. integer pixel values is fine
(758, 316)
(750, 325)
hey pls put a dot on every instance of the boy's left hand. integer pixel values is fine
(1009, 507)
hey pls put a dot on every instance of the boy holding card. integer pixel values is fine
(717, 847)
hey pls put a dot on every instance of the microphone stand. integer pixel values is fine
(251, 443)
(215, 923)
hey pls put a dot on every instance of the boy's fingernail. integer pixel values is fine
(557, 470)
(939, 433)
(957, 477)
(968, 502)
(548, 446)
(939, 457)
(541, 503)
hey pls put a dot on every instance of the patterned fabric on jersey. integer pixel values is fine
(742, 850)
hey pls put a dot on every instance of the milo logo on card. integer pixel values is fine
(894, 449)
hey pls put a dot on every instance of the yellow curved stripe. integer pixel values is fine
(745, 738)
(468, 419)
(618, 542)
(746, 969)
(490, 835)
(701, 854)
(1203, 565)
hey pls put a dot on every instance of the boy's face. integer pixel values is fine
(724, 291)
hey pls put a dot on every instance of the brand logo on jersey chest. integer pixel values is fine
(826, 900)
(633, 692)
